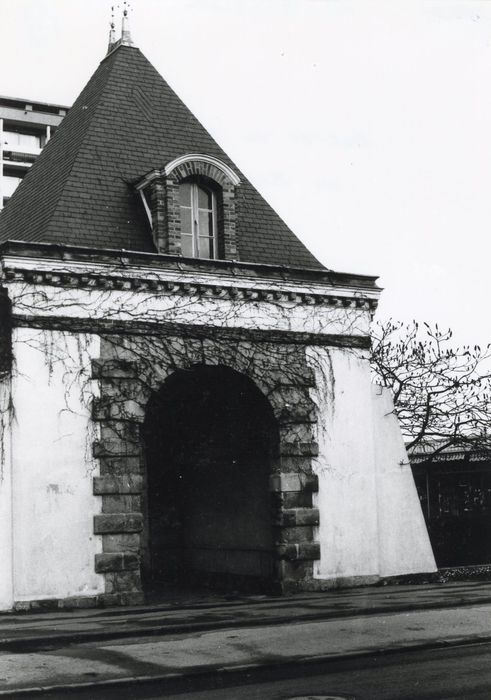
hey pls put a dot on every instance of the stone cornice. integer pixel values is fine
(125, 258)
(80, 267)
(186, 286)
(188, 330)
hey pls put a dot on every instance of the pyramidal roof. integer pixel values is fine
(126, 122)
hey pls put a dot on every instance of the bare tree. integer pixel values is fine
(442, 393)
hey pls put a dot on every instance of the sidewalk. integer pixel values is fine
(98, 648)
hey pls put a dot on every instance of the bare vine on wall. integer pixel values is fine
(159, 325)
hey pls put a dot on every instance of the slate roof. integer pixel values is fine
(126, 122)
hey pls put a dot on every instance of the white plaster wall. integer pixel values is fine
(371, 523)
(6, 550)
(53, 505)
(404, 546)
(347, 485)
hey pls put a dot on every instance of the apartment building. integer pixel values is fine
(25, 128)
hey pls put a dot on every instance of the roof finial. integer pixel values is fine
(126, 39)
(112, 32)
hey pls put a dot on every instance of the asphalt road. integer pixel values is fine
(105, 662)
(361, 644)
(445, 674)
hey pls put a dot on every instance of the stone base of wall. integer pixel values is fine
(104, 600)
(322, 584)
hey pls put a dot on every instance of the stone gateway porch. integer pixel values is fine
(185, 390)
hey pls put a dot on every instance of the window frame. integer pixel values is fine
(195, 235)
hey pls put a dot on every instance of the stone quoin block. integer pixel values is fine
(123, 389)
(295, 433)
(127, 484)
(296, 464)
(115, 448)
(294, 499)
(122, 542)
(127, 431)
(297, 413)
(122, 410)
(293, 405)
(121, 465)
(298, 516)
(294, 482)
(293, 574)
(299, 448)
(116, 562)
(114, 368)
(302, 377)
(121, 503)
(128, 581)
(293, 535)
(117, 522)
(300, 552)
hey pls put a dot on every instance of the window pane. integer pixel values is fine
(197, 220)
(185, 194)
(205, 247)
(204, 198)
(187, 245)
(205, 223)
(186, 225)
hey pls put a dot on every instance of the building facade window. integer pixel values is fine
(24, 142)
(198, 210)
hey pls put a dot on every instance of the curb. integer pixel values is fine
(27, 644)
(237, 670)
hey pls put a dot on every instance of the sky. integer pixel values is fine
(366, 125)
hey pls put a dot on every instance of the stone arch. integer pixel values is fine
(201, 164)
(280, 371)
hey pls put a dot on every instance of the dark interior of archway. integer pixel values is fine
(210, 438)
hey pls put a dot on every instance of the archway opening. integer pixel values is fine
(211, 441)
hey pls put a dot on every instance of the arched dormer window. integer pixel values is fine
(190, 206)
(198, 214)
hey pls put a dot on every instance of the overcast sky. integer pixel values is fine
(367, 125)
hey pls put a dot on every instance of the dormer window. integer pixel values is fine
(198, 207)
(190, 205)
